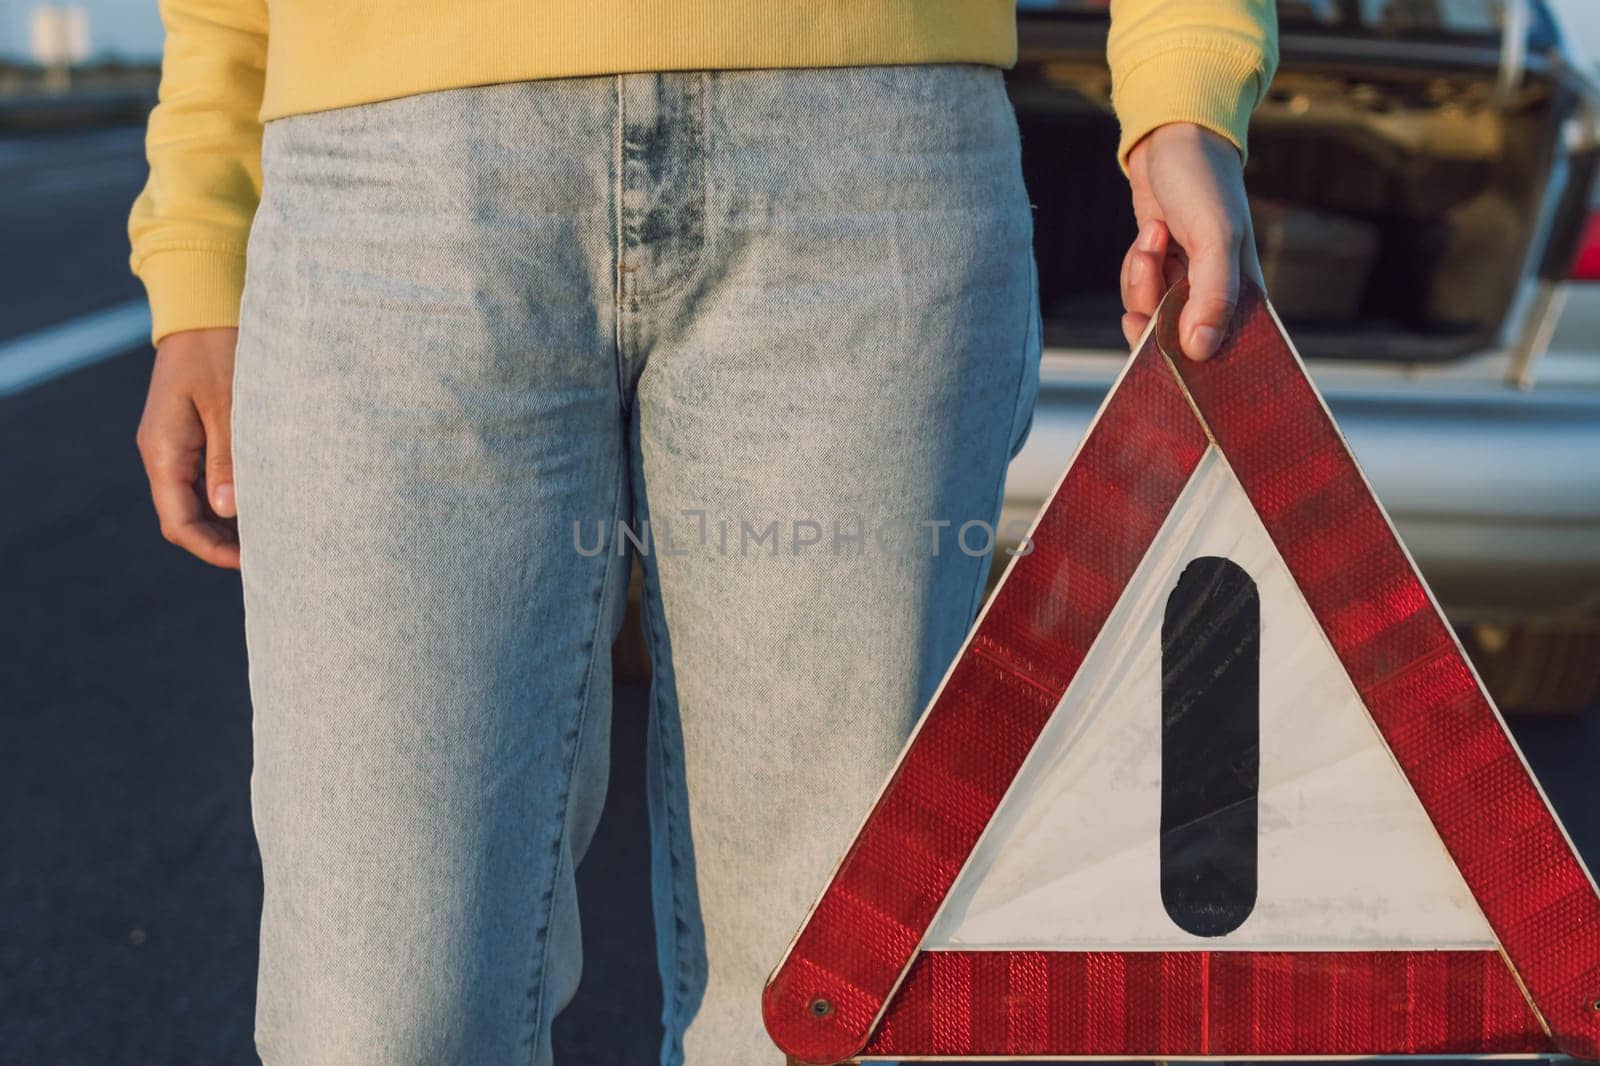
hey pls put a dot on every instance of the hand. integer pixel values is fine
(1194, 222)
(186, 423)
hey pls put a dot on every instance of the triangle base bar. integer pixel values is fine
(1173, 1004)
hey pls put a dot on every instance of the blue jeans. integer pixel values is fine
(772, 334)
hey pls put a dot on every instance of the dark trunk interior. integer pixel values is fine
(1393, 207)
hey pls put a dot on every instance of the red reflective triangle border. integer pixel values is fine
(832, 993)
(1187, 1004)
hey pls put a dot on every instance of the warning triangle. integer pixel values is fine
(1210, 777)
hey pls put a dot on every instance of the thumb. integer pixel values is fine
(218, 423)
(1213, 292)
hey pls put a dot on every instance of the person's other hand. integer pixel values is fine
(186, 426)
(1194, 222)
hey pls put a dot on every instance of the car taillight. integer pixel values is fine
(1586, 265)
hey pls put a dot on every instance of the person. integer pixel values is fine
(459, 310)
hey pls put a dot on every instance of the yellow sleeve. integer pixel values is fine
(1203, 61)
(189, 226)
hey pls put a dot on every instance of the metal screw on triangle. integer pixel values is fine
(821, 1008)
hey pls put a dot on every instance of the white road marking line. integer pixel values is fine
(35, 358)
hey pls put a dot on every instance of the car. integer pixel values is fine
(1420, 175)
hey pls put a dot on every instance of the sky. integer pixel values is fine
(130, 28)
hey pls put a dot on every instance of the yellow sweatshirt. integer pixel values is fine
(231, 65)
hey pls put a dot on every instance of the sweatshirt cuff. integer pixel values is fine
(191, 288)
(1210, 87)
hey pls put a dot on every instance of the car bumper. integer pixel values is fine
(1495, 490)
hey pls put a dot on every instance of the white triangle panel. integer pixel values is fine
(1347, 858)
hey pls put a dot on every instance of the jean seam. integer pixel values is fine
(618, 315)
(642, 298)
(575, 736)
(672, 997)
(1020, 424)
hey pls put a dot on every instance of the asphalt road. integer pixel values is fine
(64, 224)
(129, 881)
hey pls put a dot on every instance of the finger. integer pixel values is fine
(1213, 292)
(1142, 281)
(1175, 267)
(1133, 327)
(219, 461)
(180, 509)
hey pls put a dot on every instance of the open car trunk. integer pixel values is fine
(1399, 197)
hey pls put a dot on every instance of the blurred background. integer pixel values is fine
(1422, 178)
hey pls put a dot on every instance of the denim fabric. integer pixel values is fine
(780, 325)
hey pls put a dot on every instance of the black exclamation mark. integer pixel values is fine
(1210, 747)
